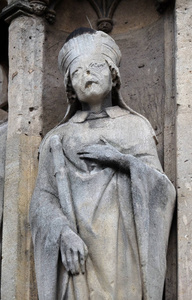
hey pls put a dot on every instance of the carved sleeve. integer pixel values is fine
(46, 215)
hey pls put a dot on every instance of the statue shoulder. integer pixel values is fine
(143, 124)
(45, 143)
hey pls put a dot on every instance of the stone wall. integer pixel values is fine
(37, 101)
(183, 59)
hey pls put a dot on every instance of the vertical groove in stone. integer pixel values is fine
(170, 147)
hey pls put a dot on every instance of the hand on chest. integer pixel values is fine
(116, 132)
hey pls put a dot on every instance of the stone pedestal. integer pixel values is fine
(26, 44)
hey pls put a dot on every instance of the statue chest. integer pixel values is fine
(117, 131)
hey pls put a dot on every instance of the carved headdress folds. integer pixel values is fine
(88, 42)
(92, 44)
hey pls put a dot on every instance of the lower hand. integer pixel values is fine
(73, 251)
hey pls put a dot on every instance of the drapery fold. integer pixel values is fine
(124, 218)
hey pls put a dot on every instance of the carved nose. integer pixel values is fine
(88, 72)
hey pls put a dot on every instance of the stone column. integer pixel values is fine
(26, 52)
(184, 145)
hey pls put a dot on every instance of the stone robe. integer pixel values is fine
(123, 217)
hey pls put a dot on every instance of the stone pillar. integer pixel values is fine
(26, 52)
(184, 145)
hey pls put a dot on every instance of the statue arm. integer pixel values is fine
(46, 216)
(107, 155)
(49, 224)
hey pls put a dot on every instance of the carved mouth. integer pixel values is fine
(89, 83)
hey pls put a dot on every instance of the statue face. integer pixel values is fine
(91, 79)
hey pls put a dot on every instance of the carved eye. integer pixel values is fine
(75, 73)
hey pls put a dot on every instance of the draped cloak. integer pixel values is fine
(124, 217)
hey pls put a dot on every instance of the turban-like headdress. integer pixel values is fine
(86, 41)
(82, 42)
(91, 43)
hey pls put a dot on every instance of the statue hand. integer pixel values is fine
(105, 154)
(73, 251)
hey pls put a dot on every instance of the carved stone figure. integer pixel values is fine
(102, 207)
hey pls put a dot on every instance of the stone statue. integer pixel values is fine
(102, 207)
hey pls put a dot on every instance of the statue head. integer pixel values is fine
(89, 52)
(91, 79)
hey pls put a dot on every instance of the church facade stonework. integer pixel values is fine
(101, 159)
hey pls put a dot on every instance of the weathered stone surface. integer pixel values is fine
(21, 171)
(143, 74)
(3, 137)
(26, 75)
(131, 16)
(142, 67)
(140, 33)
(183, 36)
(26, 52)
(102, 208)
(16, 264)
(11, 1)
(3, 116)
